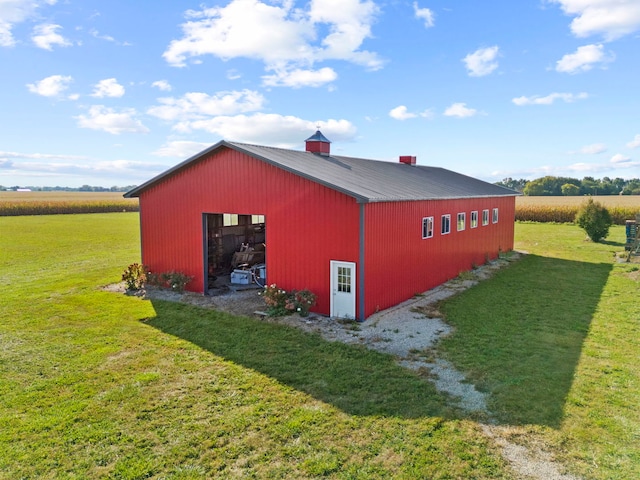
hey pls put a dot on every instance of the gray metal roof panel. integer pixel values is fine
(363, 179)
(375, 180)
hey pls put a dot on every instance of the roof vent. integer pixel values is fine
(318, 143)
(408, 159)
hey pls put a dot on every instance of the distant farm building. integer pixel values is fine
(363, 235)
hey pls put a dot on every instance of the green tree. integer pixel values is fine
(595, 219)
(549, 186)
(570, 190)
(513, 184)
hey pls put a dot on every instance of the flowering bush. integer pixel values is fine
(137, 275)
(304, 300)
(176, 281)
(134, 276)
(280, 302)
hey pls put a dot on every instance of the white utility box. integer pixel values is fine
(241, 277)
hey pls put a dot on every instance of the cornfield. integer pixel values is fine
(564, 209)
(567, 213)
(53, 203)
(62, 207)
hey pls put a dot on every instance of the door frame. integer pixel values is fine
(334, 264)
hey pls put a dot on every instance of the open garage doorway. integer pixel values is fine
(235, 251)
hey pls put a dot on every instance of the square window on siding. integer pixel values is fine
(462, 219)
(257, 219)
(427, 227)
(474, 220)
(229, 219)
(495, 215)
(445, 226)
(485, 217)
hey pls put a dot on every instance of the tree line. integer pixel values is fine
(567, 186)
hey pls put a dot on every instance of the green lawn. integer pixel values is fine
(555, 339)
(101, 385)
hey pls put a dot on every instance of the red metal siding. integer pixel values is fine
(307, 225)
(399, 263)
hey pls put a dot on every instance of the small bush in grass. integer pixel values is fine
(135, 276)
(595, 219)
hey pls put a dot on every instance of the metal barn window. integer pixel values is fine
(485, 217)
(427, 227)
(445, 224)
(257, 219)
(462, 220)
(344, 279)
(474, 220)
(495, 215)
(229, 219)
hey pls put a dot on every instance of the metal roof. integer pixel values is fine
(365, 180)
(317, 137)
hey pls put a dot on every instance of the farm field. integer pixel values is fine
(52, 203)
(96, 384)
(17, 197)
(630, 201)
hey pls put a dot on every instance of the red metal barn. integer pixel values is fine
(363, 235)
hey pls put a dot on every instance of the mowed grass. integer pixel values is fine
(101, 385)
(555, 340)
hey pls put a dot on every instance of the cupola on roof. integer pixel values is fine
(318, 143)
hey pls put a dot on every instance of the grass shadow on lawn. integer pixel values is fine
(520, 335)
(354, 379)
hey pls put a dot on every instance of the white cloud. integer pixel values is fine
(583, 59)
(594, 149)
(619, 158)
(608, 168)
(46, 36)
(41, 156)
(610, 18)
(460, 110)
(109, 87)
(424, 14)
(50, 86)
(401, 113)
(197, 105)
(635, 143)
(300, 78)
(272, 129)
(13, 12)
(82, 169)
(162, 85)
(279, 34)
(181, 149)
(233, 74)
(549, 99)
(108, 120)
(482, 62)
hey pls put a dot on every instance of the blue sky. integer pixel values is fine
(111, 93)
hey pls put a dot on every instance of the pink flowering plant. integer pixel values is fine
(280, 302)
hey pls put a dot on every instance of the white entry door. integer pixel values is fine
(343, 289)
